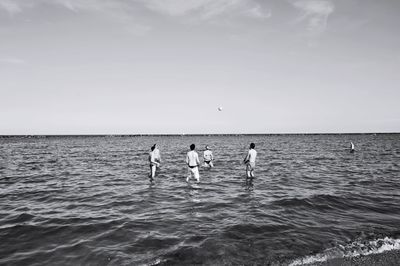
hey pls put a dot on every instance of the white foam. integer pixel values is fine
(351, 250)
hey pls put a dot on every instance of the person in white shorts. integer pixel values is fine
(192, 160)
(208, 158)
(153, 163)
(250, 161)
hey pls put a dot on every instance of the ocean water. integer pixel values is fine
(88, 201)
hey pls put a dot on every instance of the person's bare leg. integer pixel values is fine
(188, 175)
(248, 171)
(196, 174)
(151, 176)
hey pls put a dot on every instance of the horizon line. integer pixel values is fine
(189, 134)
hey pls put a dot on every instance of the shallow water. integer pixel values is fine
(88, 201)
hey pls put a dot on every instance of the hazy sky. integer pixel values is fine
(165, 66)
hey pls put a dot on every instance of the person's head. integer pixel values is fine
(153, 147)
(192, 147)
(207, 148)
(252, 145)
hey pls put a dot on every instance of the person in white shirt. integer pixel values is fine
(157, 154)
(250, 161)
(192, 160)
(208, 157)
(351, 147)
(153, 163)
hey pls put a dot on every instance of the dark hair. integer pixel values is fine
(153, 147)
(192, 146)
(252, 145)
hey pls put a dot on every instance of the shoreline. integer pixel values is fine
(387, 258)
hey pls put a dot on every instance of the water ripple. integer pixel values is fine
(88, 201)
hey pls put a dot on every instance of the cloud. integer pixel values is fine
(18, 6)
(257, 12)
(315, 13)
(126, 11)
(10, 6)
(119, 11)
(202, 8)
(207, 9)
(89, 5)
(175, 7)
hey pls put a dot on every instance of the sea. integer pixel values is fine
(87, 200)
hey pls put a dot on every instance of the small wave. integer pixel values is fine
(353, 249)
(17, 219)
(322, 200)
(322, 158)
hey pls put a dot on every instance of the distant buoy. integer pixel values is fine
(220, 109)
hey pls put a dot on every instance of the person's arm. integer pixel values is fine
(152, 160)
(197, 160)
(187, 158)
(212, 156)
(159, 156)
(246, 159)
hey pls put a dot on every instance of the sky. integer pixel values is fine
(165, 66)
